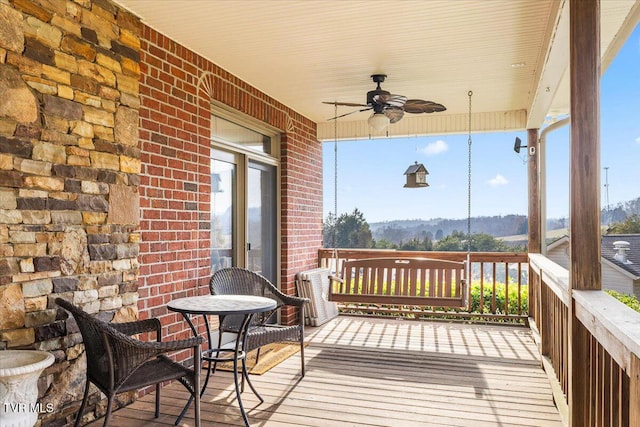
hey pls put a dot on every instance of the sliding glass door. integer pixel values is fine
(244, 200)
(261, 219)
(224, 211)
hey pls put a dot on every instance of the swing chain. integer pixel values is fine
(470, 93)
(335, 181)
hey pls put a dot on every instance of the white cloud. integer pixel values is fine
(638, 140)
(434, 148)
(498, 180)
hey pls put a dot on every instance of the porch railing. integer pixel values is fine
(498, 288)
(602, 370)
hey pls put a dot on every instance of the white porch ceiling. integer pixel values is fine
(512, 54)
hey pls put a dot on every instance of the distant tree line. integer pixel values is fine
(630, 225)
(621, 211)
(403, 230)
(353, 231)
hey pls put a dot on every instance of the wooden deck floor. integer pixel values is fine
(375, 372)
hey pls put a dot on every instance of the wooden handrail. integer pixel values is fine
(511, 257)
(615, 325)
(612, 323)
(553, 275)
(611, 331)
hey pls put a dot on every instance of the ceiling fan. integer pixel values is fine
(387, 107)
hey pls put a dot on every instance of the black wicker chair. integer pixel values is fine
(117, 363)
(240, 281)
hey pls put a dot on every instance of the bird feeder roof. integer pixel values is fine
(418, 167)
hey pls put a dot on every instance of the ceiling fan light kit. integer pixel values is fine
(378, 121)
(387, 107)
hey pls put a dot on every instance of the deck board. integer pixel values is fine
(381, 372)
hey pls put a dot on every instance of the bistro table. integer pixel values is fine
(223, 305)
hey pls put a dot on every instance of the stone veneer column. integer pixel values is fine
(69, 177)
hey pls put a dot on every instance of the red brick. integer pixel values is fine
(171, 108)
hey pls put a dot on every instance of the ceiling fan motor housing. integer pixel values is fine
(370, 99)
(377, 78)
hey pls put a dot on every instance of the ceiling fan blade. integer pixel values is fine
(352, 112)
(394, 114)
(416, 106)
(345, 104)
(390, 100)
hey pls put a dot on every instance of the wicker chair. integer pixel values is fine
(117, 363)
(240, 281)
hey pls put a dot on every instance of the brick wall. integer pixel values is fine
(301, 205)
(174, 181)
(176, 89)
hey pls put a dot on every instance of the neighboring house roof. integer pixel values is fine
(633, 254)
(608, 251)
(558, 242)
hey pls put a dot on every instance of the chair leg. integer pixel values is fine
(157, 400)
(83, 404)
(244, 372)
(215, 364)
(197, 366)
(108, 414)
(302, 356)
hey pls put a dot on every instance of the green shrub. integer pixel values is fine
(629, 300)
(500, 299)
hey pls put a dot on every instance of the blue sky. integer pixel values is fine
(370, 172)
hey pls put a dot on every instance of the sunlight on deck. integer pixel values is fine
(429, 336)
(383, 372)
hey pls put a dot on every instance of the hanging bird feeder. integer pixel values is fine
(416, 176)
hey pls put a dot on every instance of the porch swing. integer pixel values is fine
(404, 281)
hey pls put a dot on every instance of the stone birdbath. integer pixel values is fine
(19, 372)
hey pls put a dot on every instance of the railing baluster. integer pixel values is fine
(481, 287)
(506, 287)
(493, 285)
(634, 391)
(607, 400)
(520, 289)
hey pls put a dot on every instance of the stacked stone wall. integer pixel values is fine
(69, 177)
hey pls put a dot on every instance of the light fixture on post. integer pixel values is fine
(518, 145)
(378, 121)
(416, 176)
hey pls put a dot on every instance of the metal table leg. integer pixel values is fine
(238, 354)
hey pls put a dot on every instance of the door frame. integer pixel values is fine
(243, 156)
